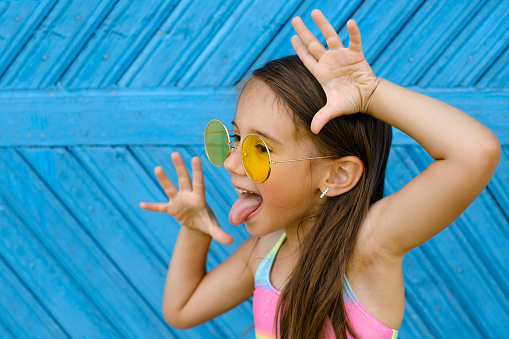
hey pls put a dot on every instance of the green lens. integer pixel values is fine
(217, 142)
(255, 158)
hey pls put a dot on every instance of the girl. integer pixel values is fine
(311, 143)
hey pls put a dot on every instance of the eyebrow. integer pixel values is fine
(260, 133)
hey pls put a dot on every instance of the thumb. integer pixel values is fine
(323, 116)
(220, 235)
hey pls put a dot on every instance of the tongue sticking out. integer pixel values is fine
(243, 207)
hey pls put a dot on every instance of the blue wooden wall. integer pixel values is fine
(94, 94)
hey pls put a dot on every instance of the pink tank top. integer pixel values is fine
(265, 300)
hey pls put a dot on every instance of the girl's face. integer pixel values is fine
(291, 193)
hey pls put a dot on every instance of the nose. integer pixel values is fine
(233, 163)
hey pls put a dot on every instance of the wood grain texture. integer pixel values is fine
(95, 94)
(173, 116)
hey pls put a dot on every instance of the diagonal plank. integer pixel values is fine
(423, 39)
(61, 36)
(433, 301)
(178, 43)
(498, 74)
(53, 221)
(473, 282)
(103, 220)
(474, 51)
(58, 291)
(20, 308)
(19, 21)
(116, 43)
(338, 12)
(126, 183)
(242, 37)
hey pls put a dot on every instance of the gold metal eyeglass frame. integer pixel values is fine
(271, 162)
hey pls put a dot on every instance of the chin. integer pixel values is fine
(256, 231)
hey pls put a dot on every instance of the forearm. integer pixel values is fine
(443, 130)
(187, 268)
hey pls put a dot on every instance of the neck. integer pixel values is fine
(295, 234)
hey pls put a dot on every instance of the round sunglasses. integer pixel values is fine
(255, 153)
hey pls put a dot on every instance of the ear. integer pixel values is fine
(342, 176)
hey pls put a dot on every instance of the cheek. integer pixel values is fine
(288, 186)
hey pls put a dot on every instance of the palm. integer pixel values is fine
(184, 206)
(187, 203)
(344, 73)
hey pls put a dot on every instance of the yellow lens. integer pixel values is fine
(255, 158)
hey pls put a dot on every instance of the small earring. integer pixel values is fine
(324, 192)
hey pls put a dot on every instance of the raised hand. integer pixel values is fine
(187, 203)
(344, 73)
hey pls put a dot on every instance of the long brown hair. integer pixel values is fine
(313, 294)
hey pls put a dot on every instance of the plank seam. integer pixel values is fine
(57, 81)
(396, 34)
(87, 170)
(463, 227)
(25, 285)
(143, 239)
(58, 262)
(488, 69)
(15, 56)
(121, 70)
(90, 236)
(437, 56)
(255, 60)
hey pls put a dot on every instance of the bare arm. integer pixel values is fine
(193, 296)
(466, 153)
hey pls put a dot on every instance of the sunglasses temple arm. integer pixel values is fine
(282, 161)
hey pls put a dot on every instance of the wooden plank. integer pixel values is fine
(104, 221)
(178, 43)
(338, 12)
(242, 38)
(473, 51)
(413, 325)
(120, 174)
(55, 224)
(172, 116)
(38, 267)
(116, 43)
(435, 304)
(52, 48)
(154, 117)
(19, 21)
(5, 331)
(498, 74)
(496, 117)
(423, 39)
(367, 15)
(19, 307)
